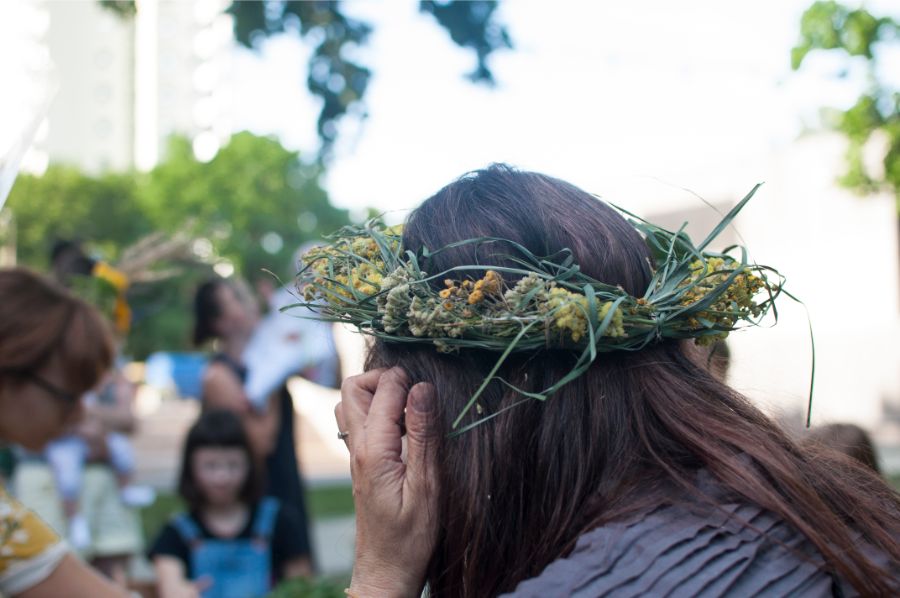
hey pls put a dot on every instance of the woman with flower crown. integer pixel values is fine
(553, 432)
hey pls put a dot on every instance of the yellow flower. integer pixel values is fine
(569, 312)
(616, 324)
(491, 282)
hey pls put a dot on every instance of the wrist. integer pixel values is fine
(382, 580)
(379, 590)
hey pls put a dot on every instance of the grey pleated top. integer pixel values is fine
(691, 550)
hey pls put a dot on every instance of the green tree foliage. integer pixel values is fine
(252, 205)
(123, 8)
(334, 73)
(65, 203)
(471, 25)
(859, 35)
(340, 81)
(255, 201)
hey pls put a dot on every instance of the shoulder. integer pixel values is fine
(220, 371)
(29, 549)
(730, 549)
(172, 540)
(223, 389)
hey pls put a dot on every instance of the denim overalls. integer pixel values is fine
(239, 567)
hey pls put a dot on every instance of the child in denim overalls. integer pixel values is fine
(231, 544)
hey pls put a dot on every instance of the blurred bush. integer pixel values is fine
(251, 207)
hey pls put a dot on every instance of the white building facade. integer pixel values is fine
(119, 85)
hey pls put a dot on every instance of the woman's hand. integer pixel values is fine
(396, 498)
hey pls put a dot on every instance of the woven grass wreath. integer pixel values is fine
(363, 277)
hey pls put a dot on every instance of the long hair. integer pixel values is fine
(518, 490)
(40, 320)
(207, 310)
(216, 428)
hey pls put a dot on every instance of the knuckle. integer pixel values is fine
(357, 491)
(359, 458)
(396, 375)
(348, 383)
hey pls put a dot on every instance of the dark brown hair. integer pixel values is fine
(40, 320)
(216, 428)
(519, 489)
(207, 310)
(846, 439)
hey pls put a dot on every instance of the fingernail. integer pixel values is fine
(421, 399)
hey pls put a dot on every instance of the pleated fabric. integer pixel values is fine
(686, 550)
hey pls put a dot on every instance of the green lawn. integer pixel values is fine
(316, 588)
(329, 501)
(323, 502)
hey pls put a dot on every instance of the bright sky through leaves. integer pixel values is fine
(597, 93)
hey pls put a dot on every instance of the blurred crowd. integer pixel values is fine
(245, 526)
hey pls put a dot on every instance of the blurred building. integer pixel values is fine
(122, 83)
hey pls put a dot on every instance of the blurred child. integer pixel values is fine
(231, 543)
(92, 440)
(101, 437)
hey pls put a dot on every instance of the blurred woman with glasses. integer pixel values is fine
(53, 348)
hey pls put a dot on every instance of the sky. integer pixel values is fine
(598, 93)
(612, 96)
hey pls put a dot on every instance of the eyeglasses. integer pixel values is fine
(50, 388)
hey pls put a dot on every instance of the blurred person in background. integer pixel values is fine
(848, 439)
(286, 343)
(54, 348)
(715, 358)
(719, 360)
(290, 343)
(227, 314)
(232, 542)
(93, 463)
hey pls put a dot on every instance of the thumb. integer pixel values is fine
(419, 409)
(203, 583)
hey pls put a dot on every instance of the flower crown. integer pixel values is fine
(364, 278)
